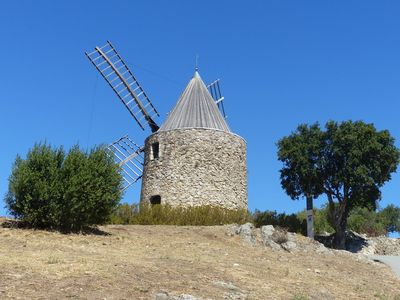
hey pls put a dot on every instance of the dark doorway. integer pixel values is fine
(156, 199)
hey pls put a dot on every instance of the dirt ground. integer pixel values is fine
(137, 262)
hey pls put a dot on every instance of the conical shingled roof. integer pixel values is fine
(195, 109)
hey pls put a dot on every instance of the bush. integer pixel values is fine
(363, 220)
(51, 189)
(390, 218)
(168, 215)
(280, 236)
(290, 222)
(124, 214)
(321, 224)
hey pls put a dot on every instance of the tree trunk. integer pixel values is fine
(310, 218)
(338, 214)
(339, 238)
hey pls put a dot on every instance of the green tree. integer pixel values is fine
(300, 153)
(364, 220)
(390, 218)
(51, 189)
(348, 162)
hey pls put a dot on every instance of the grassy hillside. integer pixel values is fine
(137, 262)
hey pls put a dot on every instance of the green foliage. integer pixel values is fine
(299, 297)
(321, 224)
(290, 222)
(363, 220)
(300, 153)
(348, 162)
(390, 218)
(51, 189)
(375, 223)
(168, 215)
(124, 214)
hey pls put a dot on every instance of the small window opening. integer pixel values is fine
(156, 199)
(155, 150)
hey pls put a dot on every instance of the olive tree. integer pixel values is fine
(348, 162)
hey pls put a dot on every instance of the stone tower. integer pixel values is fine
(194, 159)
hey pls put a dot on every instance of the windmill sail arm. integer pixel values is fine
(122, 81)
(215, 92)
(129, 156)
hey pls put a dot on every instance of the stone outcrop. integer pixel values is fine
(381, 245)
(276, 238)
(195, 167)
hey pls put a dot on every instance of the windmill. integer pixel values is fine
(128, 154)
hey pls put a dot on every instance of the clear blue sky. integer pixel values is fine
(281, 63)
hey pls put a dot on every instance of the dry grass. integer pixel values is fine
(136, 262)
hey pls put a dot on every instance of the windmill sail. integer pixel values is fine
(215, 92)
(129, 156)
(114, 70)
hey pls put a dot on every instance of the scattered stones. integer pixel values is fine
(322, 295)
(162, 296)
(165, 296)
(383, 245)
(186, 297)
(233, 293)
(267, 233)
(276, 238)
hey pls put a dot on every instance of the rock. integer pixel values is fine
(227, 285)
(232, 229)
(235, 296)
(245, 231)
(233, 293)
(162, 296)
(383, 245)
(267, 233)
(289, 246)
(322, 295)
(166, 296)
(186, 297)
(320, 248)
(291, 237)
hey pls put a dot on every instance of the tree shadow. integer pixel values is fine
(354, 242)
(88, 230)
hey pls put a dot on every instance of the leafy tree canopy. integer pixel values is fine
(348, 162)
(68, 191)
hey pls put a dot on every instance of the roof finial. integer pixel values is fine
(197, 63)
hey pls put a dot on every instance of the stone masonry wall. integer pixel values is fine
(196, 167)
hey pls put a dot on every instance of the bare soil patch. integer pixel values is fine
(137, 262)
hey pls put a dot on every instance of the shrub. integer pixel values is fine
(124, 214)
(363, 220)
(280, 235)
(390, 218)
(51, 189)
(321, 224)
(168, 215)
(290, 222)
